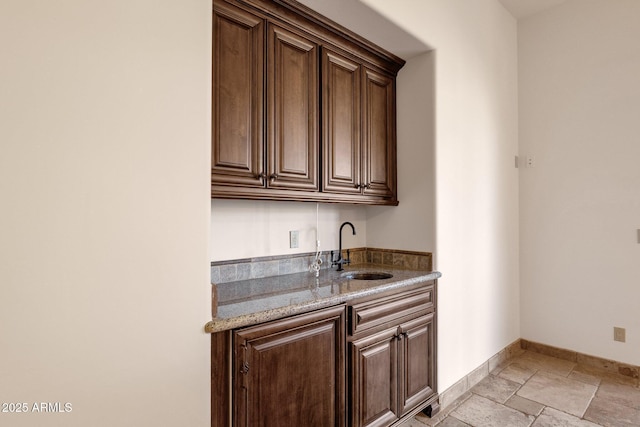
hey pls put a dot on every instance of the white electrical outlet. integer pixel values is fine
(530, 161)
(294, 239)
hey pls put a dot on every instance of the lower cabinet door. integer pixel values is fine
(417, 368)
(291, 372)
(374, 373)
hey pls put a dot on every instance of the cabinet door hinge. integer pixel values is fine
(244, 366)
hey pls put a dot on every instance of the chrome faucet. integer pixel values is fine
(340, 262)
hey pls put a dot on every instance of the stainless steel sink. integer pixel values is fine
(369, 275)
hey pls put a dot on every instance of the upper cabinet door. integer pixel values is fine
(379, 138)
(292, 110)
(341, 90)
(238, 73)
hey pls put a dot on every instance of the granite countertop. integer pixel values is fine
(249, 302)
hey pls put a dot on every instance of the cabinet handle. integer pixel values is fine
(273, 176)
(261, 175)
(367, 186)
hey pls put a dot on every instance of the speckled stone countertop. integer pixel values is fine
(249, 302)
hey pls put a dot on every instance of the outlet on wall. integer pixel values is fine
(530, 161)
(294, 239)
(525, 161)
(619, 334)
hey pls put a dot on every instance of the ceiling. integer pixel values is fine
(523, 8)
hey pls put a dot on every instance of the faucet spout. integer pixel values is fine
(340, 262)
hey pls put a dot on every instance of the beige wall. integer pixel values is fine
(104, 224)
(580, 204)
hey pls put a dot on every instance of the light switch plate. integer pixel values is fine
(619, 334)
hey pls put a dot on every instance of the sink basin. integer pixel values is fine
(371, 275)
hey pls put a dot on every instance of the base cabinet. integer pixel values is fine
(371, 363)
(392, 360)
(291, 372)
(390, 372)
(416, 342)
(374, 381)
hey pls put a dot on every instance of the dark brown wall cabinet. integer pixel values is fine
(238, 78)
(303, 109)
(359, 148)
(372, 363)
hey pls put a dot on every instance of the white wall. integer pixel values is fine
(411, 225)
(104, 180)
(580, 204)
(247, 228)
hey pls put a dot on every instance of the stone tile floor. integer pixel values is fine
(536, 390)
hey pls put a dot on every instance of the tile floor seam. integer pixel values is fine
(590, 400)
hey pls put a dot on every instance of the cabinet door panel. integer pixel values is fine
(291, 373)
(341, 89)
(379, 134)
(374, 373)
(417, 379)
(292, 88)
(238, 72)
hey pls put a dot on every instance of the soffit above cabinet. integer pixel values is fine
(367, 22)
(523, 8)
